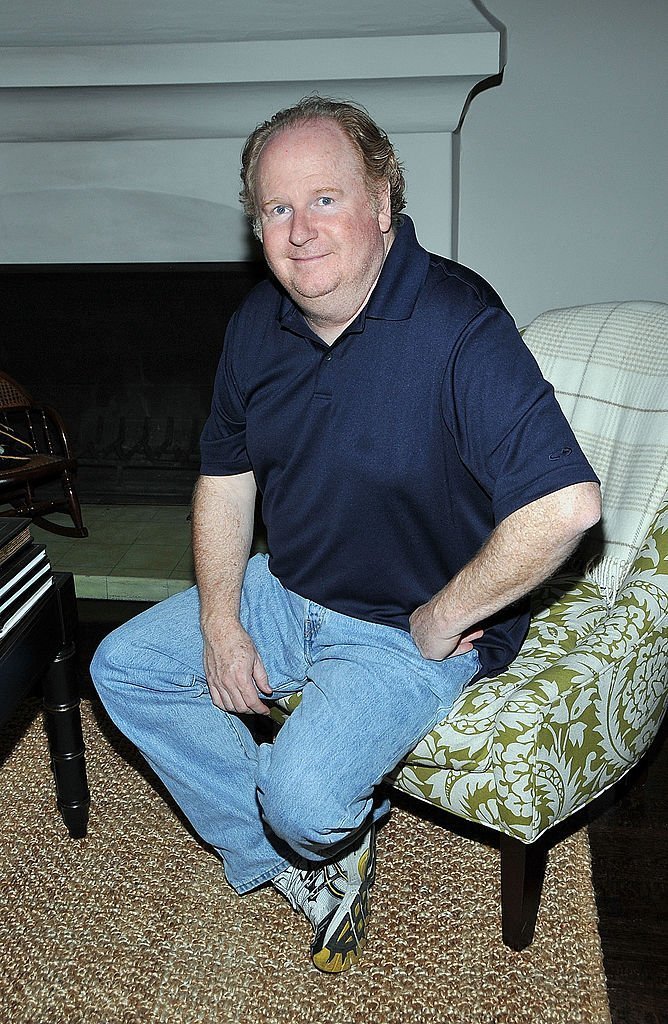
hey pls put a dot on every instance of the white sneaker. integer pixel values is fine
(335, 898)
(316, 891)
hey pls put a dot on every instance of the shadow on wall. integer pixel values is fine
(107, 225)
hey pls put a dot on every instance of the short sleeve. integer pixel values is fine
(223, 440)
(507, 424)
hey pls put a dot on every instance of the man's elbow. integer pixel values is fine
(583, 508)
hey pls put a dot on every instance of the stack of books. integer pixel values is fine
(25, 572)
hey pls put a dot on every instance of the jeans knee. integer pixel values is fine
(111, 662)
(288, 817)
(104, 658)
(129, 653)
(305, 816)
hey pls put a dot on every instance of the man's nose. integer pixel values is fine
(302, 227)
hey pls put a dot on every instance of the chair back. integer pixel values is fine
(608, 363)
(12, 395)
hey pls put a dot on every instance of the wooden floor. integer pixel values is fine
(628, 837)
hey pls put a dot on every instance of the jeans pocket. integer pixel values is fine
(452, 675)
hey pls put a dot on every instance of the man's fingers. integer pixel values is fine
(220, 699)
(236, 701)
(260, 676)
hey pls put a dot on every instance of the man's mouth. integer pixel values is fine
(308, 259)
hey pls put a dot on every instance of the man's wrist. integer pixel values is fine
(216, 620)
(441, 616)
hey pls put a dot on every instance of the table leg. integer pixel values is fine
(63, 725)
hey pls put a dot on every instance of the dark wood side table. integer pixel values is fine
(42, 647)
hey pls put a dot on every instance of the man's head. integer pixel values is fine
(323, 204)
(375, 150)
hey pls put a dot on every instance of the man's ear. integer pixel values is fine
(384, 207)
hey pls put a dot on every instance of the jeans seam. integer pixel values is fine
(265, 876)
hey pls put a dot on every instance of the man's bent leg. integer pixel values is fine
(150, 676)
(369, 699)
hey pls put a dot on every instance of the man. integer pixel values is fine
(418, 480)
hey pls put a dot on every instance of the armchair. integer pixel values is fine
(585, 697)
(34, 451)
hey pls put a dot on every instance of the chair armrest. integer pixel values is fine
(583, 721)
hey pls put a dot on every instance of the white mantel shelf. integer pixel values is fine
(91, 96)
(275, 60)
(217, 90)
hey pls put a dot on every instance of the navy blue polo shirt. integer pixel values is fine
(386, 459)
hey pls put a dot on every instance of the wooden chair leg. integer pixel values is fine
(522, 873)
(73, 505)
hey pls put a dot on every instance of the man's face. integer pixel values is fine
(323, 237)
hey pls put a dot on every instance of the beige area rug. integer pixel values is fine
(135, 924)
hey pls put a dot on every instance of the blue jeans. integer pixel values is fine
(368, 697)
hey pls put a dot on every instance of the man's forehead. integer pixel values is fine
(317, 136)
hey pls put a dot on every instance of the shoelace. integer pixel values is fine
(303, 887)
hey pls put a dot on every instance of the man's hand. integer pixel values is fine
(234, 671)
(431, 638)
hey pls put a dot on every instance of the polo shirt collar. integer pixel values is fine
(396, 291)
(401, 278)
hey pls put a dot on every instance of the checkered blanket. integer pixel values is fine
(609, 366)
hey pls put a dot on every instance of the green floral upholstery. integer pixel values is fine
(584, 699)
(575, 711)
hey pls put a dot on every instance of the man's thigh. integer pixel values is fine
(166, 640)
(268, 614)
(369, 698)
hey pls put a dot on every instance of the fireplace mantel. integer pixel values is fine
(120, 132)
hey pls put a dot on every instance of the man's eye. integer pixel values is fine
(325, 201)
(279, 210)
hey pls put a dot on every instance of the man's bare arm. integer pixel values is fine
(223, 513)
(520, 553)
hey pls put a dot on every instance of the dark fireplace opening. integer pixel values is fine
(127, 355)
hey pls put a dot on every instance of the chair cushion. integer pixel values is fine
(562, 612)
(581, 721)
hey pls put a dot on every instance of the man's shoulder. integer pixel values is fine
(262, 300)
(460, 286)
(418, 281)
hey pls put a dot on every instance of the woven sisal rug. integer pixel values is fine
(135, 924)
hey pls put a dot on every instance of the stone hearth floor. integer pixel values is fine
(132, 552)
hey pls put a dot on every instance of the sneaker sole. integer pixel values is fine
(344, 947)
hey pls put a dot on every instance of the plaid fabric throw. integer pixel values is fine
(608, 363)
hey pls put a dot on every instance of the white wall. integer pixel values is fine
(564, 167)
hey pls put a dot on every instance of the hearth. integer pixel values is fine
(127, 354)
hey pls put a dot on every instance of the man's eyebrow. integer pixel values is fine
(324, 190)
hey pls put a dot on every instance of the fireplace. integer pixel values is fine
(127, 354)
(126, 172)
